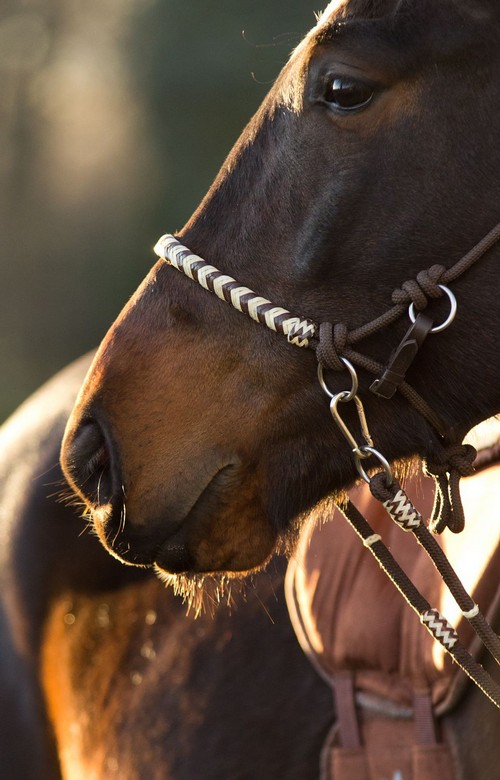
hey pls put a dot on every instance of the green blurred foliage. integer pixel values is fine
(115, 116)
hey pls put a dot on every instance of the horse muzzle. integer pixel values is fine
(182, 526)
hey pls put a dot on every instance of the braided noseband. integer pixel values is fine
(298, 331)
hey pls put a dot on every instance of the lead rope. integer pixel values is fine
(406, 516)
(385, 488)
(436, 624)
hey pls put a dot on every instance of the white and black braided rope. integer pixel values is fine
(403, 512)
(440, 628)
(298, 331)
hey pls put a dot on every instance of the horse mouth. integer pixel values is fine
(167, 542)
(175, 555)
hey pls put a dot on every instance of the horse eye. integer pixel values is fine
(347, 94)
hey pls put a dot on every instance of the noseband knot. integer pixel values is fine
(332, 341)
(454, 462)
(419, 290)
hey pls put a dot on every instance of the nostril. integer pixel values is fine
(88, 461)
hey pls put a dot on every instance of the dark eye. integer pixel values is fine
(347, 94)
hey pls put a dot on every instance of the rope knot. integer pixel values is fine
(332, 342)
(419, 290)
(380, 489)
(447, 469)
(458, 457)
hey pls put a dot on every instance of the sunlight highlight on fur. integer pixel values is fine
(203, 593)
(333, 7)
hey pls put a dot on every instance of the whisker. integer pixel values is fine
(43, 473)
(99, 486)
(124, 517)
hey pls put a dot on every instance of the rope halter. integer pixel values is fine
(334, 349)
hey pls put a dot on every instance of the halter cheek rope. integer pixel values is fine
(334, 349)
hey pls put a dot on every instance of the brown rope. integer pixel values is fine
(471, 257)
(419, 290)
(387, 494)
(331, 345)
(424, 287)
(417, 602)
(455, 462)
(379, 323)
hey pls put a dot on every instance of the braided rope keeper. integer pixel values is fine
(298, 331)
(440, 628)
(396, 502)
(403, 512)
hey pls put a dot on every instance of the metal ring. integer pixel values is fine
(451, 316)
(348, 395)
(366, 450)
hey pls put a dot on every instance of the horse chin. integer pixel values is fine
(206, 591)
(177, 559)
(109, 532)
(229, 540)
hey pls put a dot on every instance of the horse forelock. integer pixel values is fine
(366, 9)
(445, 21)
(375, 9)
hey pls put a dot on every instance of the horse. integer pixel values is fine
(199, 441)
(198, 437)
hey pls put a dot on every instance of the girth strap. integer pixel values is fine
(346, 710)
(377, 746)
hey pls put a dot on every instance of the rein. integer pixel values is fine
(333, 345)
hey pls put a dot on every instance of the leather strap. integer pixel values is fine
(402, 358)
(346, 710)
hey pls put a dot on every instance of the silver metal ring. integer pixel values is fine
(347, 395)
(451, 316)
(366, 451)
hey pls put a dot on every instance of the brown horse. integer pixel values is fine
(199, 438)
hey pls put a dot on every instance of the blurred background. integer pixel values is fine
(115, 116)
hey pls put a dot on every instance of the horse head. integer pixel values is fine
(199, 437)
